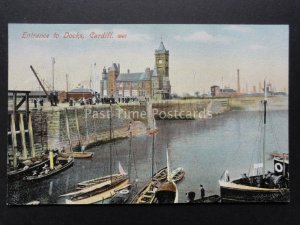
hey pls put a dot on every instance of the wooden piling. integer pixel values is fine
(68, 128)
(31, 140)
(77, 127)
(14, 104)
(14, 140)
(24, 149)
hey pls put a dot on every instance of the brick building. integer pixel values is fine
(150, 83)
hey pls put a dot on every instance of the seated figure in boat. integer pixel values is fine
(246, 179)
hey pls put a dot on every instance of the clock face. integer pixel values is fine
(160, 61)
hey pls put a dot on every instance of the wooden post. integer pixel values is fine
(77, 127)
(22, 131)
(14, 140)
(68, 129)
(27, 106)
(51, 157)
(94, 126)
(42, 130)
(31, 136)
(14, 104)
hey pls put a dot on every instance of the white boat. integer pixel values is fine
(177, 174)
(99, 189)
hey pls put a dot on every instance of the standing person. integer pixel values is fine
(129, 129)
(41, 102)
(55, 98)
(35, 102)
(51, 98)
(202, 191)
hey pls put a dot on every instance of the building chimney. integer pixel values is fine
(238, 82)
(260, 89)
(118, 67)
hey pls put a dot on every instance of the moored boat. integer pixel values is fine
(97, 193)
(120, 197)
(167, 191)
(98, 189)
(146, 195)
(263, 187)
(35, 202)
(208, 199)
(26, 167)
(61, 165)
(280, 155)
(77, 155)
(177, 174)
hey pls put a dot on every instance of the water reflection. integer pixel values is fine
(204, 148)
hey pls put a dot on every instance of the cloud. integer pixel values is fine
(257, 47)
(202, 36)
(239, 28)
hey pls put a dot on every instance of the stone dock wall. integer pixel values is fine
(64, 126)
(59, 127)
(189, 109)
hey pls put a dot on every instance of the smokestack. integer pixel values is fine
(260, 90)
(238, 82)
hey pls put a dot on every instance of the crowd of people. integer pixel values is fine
(95, 99)
(105, 100)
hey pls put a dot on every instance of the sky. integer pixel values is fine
(200, 55)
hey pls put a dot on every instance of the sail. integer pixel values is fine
(121, 170)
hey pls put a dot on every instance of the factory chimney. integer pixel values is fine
(238, 82)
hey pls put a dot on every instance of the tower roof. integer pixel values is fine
(161, 48)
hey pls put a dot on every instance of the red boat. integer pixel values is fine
(280, 155)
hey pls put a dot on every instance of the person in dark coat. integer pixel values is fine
(202, 191)
(51, 98)
(41, 101)
(55, 98)
(35, 102)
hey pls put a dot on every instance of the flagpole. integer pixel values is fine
(53, 62)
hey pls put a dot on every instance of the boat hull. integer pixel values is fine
(146, 195)
(51, 173)
(78, 155)
(95, 198)
(20, 174)
(231, 192)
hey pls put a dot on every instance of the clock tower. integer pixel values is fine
(162, 65)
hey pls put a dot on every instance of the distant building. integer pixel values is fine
(80, 92)
(216, 91)
(137, 84)
(150, 83)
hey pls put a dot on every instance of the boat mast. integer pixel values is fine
(153, 138)
(264, 127)
(130, 153)
(110, 136)
(168, 166)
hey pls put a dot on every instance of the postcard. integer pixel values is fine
(147, 114)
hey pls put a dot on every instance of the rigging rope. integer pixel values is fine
(273, 130)
(258, 139)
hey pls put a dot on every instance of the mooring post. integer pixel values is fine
(68, 129)
(31, 135)
(14, 140)
(14, 104)
(27, 106)
(77, 127)
(22, 131)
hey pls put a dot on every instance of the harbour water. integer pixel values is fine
(204, 148)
